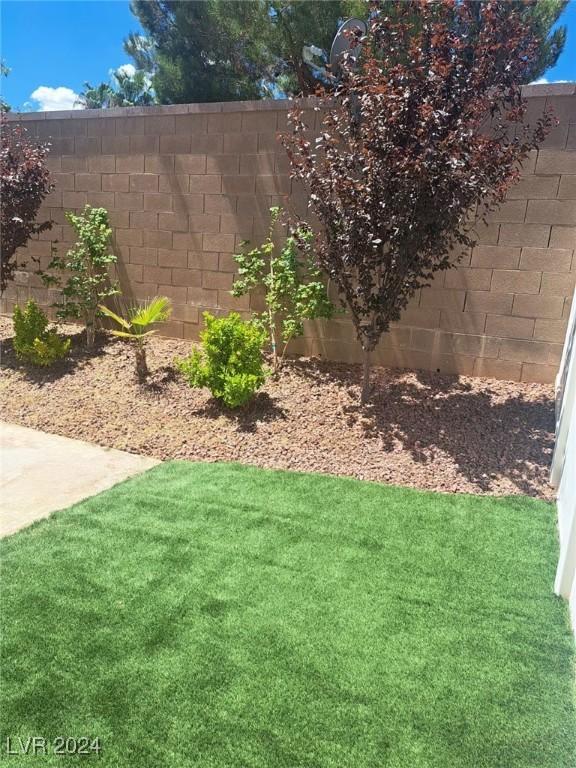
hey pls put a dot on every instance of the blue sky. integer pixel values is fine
(61, 44)
(52, 47)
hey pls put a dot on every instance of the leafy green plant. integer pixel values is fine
(231, 362)
(291, 283)
(87, 265)
(34, 342)
(136, 326)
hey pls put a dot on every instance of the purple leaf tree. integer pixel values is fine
(424, 127)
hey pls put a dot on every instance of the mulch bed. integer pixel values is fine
(424, 430)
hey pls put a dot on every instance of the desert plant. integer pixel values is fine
(231, 362)
(424, 125)
(24, 183)
(136, 326)
(88, 267)
(34, 342)
(290, 281)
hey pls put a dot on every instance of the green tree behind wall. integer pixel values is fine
(4, 72)
(126, 89)
(223, 50)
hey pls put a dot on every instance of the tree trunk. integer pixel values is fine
(366, 388)
(274, 355)
(141, 363)
(90, 334)
(272, 322)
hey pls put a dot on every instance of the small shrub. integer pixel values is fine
(290, 281)
(34, 342)
(136, 326)
(231, 363)
(87, 268)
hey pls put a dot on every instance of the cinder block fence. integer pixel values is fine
(185, 184)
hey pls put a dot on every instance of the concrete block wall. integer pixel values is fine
(185, 184)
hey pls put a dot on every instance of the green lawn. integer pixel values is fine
(230, 617)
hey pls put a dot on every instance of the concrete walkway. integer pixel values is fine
(40, 473)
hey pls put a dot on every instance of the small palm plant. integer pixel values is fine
(135, 325)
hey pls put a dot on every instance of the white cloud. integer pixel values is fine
(130, 70)
(545, 81)
(50, 99)
(125, 69)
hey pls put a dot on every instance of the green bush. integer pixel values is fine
(231, 363)
(34, 342)
(290, 281)
(83, 275)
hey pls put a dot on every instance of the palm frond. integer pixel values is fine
(156, 310)
(120, 320)
(123, 334)
(132, 336)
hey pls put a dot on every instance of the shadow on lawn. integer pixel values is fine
(78, 357)
(429, 413)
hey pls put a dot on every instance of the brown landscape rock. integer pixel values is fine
(424, 430)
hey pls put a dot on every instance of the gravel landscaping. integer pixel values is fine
(445, 433)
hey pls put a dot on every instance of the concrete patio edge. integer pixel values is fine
(41, 473)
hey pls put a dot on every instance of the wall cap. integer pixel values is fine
(262, 105)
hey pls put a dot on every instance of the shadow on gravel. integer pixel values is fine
(160, 379)
(262, 408)
(427, 413)
(78, 357)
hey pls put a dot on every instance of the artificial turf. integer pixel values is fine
(229, 617)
